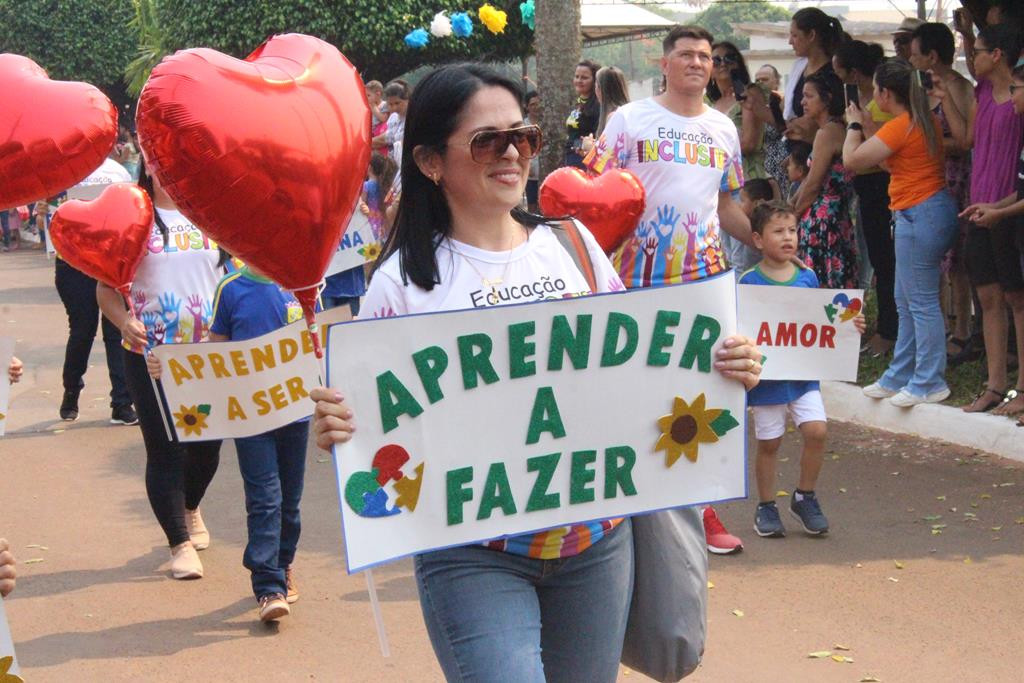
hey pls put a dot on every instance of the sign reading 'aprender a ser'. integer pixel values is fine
(475, 425)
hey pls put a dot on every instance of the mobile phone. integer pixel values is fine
(852, 94)
(926, 81)
(739, 85)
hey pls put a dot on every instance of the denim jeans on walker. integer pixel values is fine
(924, 233)
(484, 611)
(273, 466)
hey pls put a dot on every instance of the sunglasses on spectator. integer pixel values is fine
(902, 40)
(487, 146)
(719, 60)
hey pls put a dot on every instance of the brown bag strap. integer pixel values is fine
(572, 241)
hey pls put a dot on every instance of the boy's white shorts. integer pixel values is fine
(770, 421)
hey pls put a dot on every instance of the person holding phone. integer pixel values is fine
(911, 146)
(855, 63)
(746, 104)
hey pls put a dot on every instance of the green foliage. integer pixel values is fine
(638, 59)
(720, 18)
(151, 49)
(77, 40)
(369, 32)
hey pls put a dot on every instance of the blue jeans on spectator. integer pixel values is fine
(273, 467)
(924, 233)
(494, 616)
(5, 226)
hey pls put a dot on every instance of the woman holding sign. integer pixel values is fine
(172, 297)
(547, 606)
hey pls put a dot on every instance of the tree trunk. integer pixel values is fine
(558, 45)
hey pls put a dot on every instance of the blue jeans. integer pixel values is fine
(6, 227)
(273, 466)
(924, 233)
(496, 617)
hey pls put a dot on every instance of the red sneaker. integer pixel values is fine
(719, 541)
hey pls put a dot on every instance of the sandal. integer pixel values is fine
(981, 404)
(1012, 405)
(958, 345)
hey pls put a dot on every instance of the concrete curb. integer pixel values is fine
(989, 433)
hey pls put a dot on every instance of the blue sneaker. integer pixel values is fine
(808, 511)
(767, 522)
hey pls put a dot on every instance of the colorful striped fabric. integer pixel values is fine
(552, 544)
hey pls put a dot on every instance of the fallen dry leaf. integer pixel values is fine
(986, 495)
(821, 654)
(843, 648)
(37, 546)
(940, 498)
(894, 579)
(858, 565)
(939, 526)
(710, 585)
(1020, 520)
(781, 494)
(34, 560)
(968, 560)
(842, 490)
(995, 528)
(842, 659)
(931, 518)
(870, 679)
(899, 565)
(1008, 483)
(936, 532)
(737, 613)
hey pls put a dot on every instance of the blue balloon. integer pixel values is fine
(462, 25)
(417, 38)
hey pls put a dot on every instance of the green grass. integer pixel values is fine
(965, 380)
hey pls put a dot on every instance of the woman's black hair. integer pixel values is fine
(828, 30)
(385, 168)
(397, 88)
(423, 218)
(591, 107)
(904, 83)
(856, 55)
(146, 183)
(936, 37)
(830, 89)
(741, 66)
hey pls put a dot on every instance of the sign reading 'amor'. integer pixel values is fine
(482, 424)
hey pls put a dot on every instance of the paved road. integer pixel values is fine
(96, 603)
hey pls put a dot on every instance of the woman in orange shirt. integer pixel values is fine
(910, 145)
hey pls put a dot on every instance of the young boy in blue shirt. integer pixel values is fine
(272, 464)
(774, 229)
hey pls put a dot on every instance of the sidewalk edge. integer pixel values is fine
(989, 433)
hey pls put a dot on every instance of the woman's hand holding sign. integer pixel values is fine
(332, 419)
(739, 359)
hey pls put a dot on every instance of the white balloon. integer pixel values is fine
(441, 26)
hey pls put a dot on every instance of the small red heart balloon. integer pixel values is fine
(105, 238)
(267, 155)
(52, 133)
(609, 204)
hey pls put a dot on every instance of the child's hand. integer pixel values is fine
(153, 365)
(7, 572)
(332, 419)
(740, 359)
(14, 370)
(364, 208)
(860, 323)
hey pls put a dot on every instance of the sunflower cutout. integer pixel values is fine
(192, 420)
(370, 252)
(5, 671)
(688, 426)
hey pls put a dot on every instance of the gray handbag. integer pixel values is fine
(668, 616)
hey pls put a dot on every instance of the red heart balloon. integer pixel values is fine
(267, 155)
(52, 133)
(105, 238)
(609, 204)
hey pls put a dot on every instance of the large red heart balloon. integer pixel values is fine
(267, 155)
(609, 204)
(107, 237)
(52, 133)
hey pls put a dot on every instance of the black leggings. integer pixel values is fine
(177, 474)
(873, 191)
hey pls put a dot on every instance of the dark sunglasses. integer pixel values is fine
(487, 146)
(902, 40)
(719, 60)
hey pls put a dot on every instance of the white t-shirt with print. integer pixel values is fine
(172, 293)
(683, 163)
(536, 270)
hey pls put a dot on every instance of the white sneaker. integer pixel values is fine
(876, 390)
(905, 399)
(185, 562)
(197, 530)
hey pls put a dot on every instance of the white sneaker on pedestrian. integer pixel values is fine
(905, 399)
(185, 562)
(197, 530)
(876, 390)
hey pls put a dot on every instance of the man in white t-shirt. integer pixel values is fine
(687, 156)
